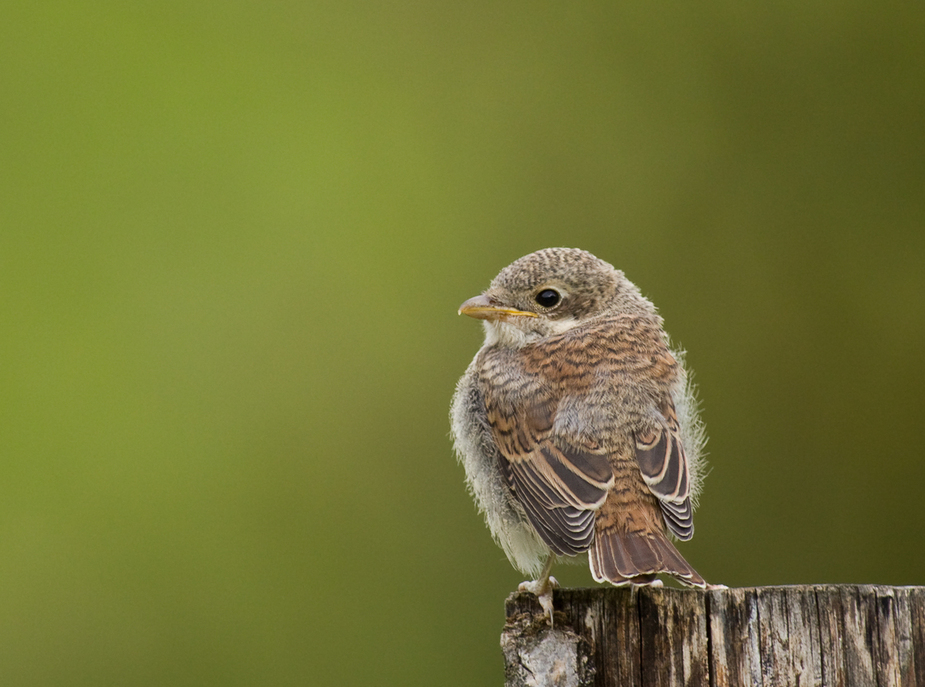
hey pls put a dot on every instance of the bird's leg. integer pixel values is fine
(543, 587)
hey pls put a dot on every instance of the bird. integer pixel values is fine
(577, 425)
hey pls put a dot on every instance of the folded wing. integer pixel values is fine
(560, 490)
(665, 470)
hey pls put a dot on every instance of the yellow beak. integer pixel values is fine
(482, 309)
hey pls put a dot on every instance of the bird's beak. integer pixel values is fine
(483, 309)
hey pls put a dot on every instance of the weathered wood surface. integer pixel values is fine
(821, 635)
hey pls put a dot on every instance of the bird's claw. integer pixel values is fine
(542, 589)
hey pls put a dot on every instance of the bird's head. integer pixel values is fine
(548, 293)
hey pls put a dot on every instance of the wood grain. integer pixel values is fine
(798, 636)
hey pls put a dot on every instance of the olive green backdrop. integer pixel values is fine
(233, 238)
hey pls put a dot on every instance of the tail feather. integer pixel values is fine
(621, 557)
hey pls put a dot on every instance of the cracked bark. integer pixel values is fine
(820, 635)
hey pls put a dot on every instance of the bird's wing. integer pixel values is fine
(559, 486)
(664, 467)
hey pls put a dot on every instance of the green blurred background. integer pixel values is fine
(233, 238)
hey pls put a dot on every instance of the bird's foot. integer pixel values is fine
(715, 587)
(543, 589)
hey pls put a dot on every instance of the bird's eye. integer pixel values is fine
(548, 298)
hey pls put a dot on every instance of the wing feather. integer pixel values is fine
(665, 470)
(560, 492)
(560, 486)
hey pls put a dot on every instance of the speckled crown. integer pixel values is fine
(550, 264)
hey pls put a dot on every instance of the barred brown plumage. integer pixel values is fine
(576, 424)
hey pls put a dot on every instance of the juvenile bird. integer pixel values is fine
(577, 426)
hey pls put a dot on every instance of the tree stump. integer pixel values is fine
(820, 635)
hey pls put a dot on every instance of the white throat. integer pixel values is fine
(500, 333)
